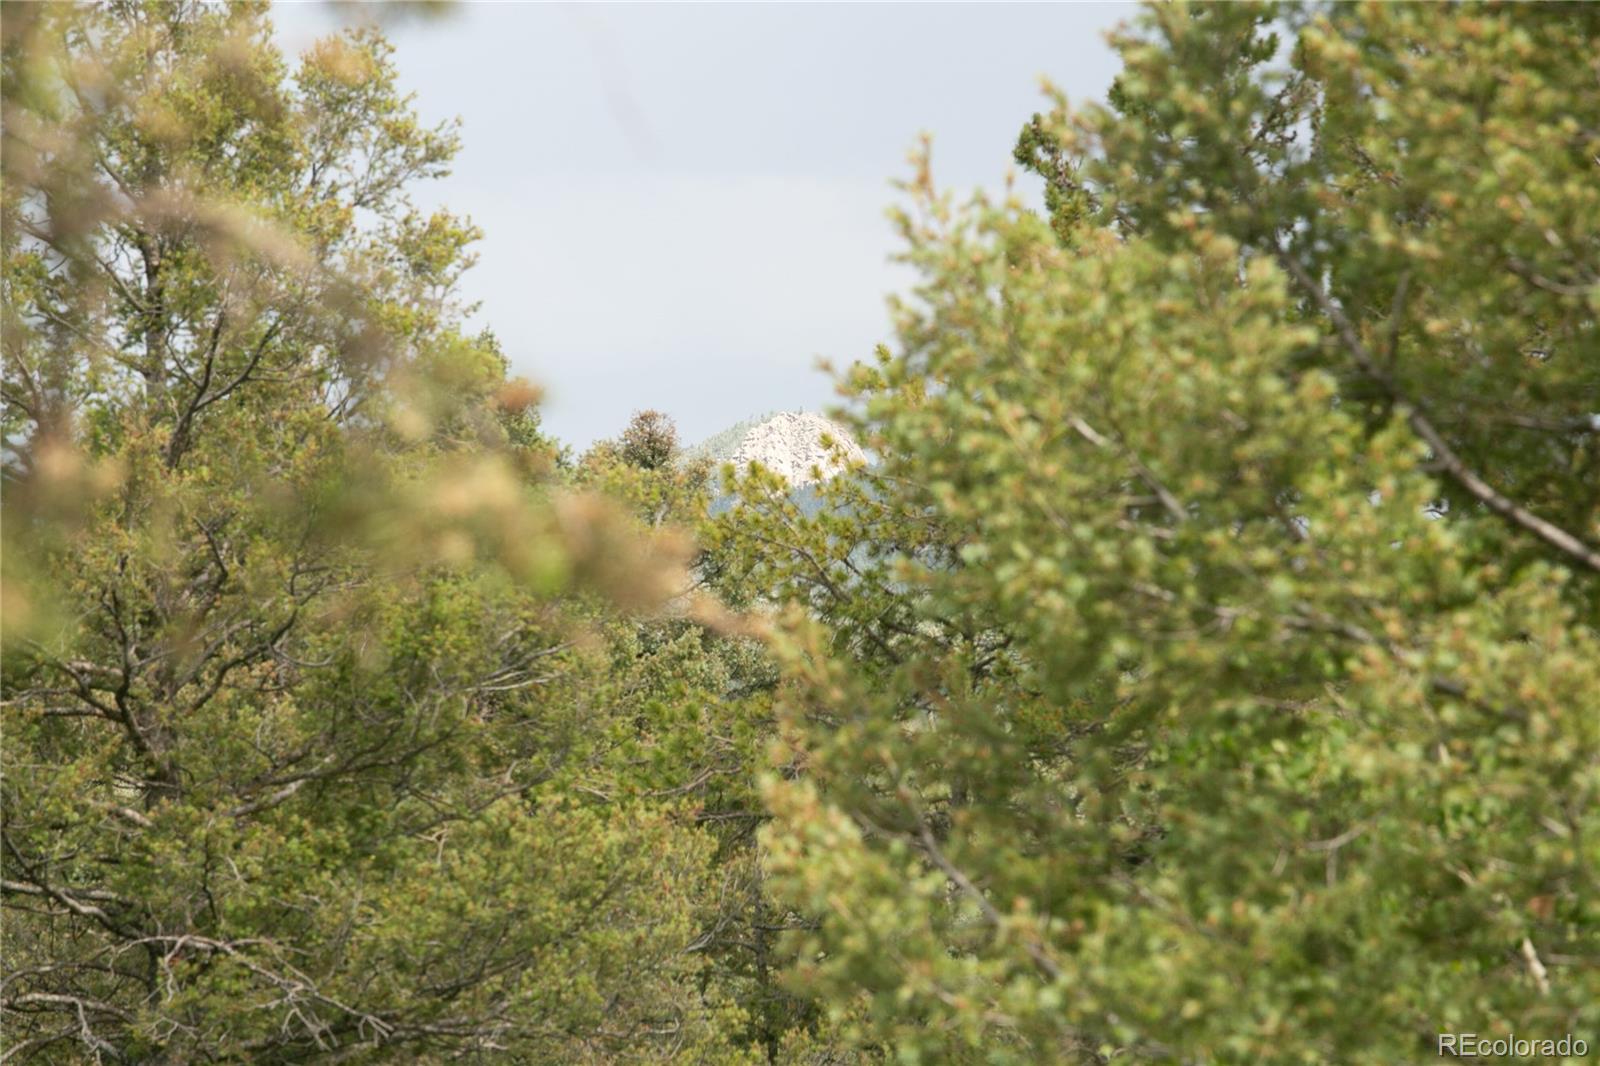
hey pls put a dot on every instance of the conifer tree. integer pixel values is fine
(297, 703)
(1209, 670)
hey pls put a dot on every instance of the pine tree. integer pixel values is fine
(1209, 671)
(297, 688)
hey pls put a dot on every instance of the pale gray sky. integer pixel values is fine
(684, 204)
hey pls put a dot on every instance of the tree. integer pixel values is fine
(296, 690)
(644, 470)
(1208, 672)
(650, 441)
(691, 691)
(1454, 287)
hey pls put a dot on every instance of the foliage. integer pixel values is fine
(691, 692)
(650, 440)
(297, 677)
(1209, 672)
(1206, 671)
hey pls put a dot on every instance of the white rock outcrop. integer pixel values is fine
(790, 444)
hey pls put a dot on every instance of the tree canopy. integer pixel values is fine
(301, 721)
(1205, 668)
(1209, 672)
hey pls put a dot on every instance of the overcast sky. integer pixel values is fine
(684, 205)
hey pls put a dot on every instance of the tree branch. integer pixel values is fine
(1444, 455)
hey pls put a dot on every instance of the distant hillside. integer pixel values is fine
(719, 447)
(787, 443)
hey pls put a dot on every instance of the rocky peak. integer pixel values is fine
(790, 444)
